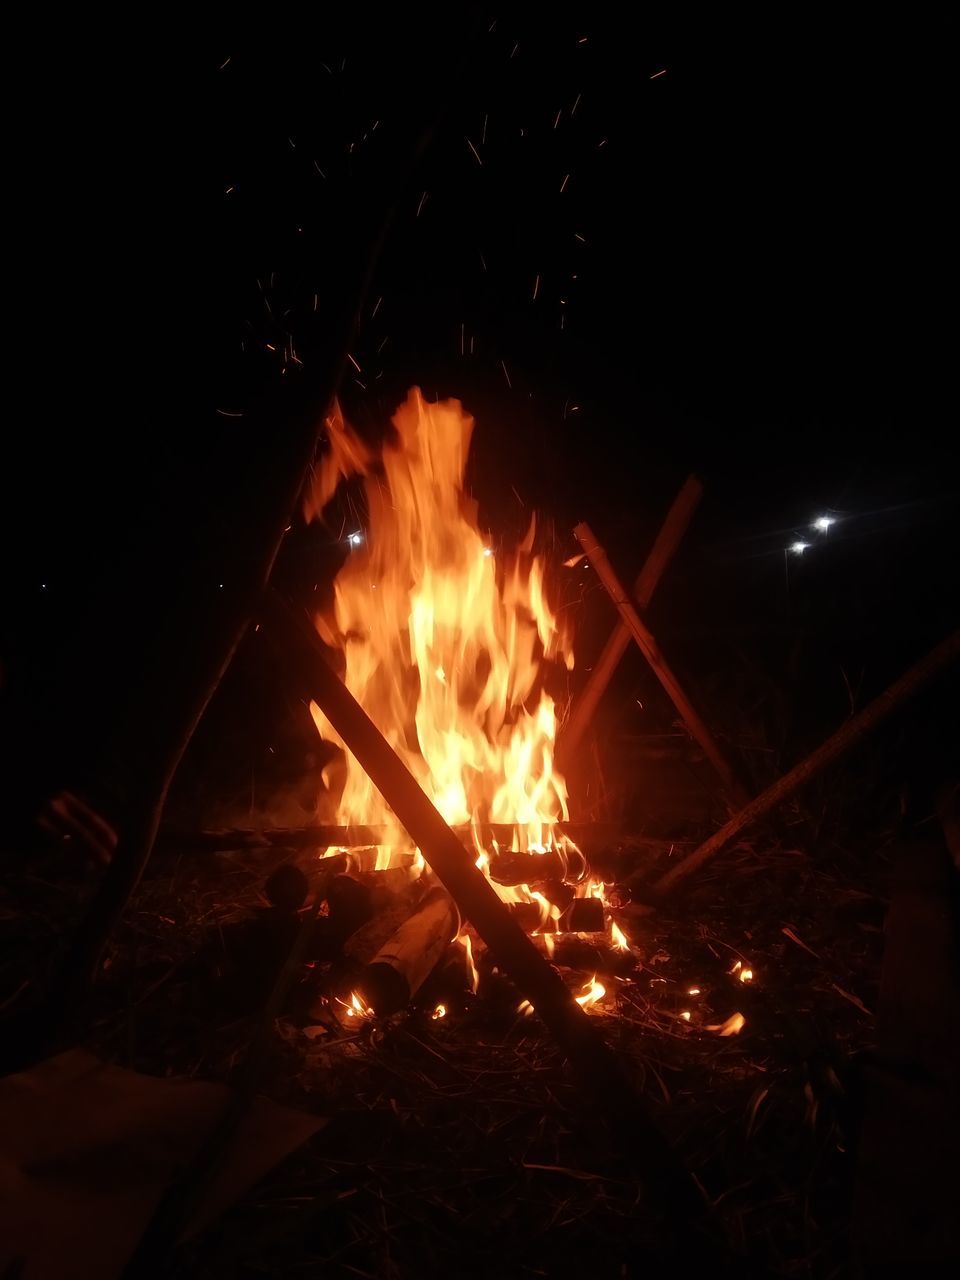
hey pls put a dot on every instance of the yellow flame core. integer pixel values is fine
(474, 976)
(444, 642)
(592, 992)
(618, 937)
(356, 1008)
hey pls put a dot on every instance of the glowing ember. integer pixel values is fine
(439, 1012)
(693, 991)
(731, 1027)
(685, 1015)
(592, 992)
(743, 973)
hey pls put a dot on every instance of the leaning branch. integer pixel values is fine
(846, 737)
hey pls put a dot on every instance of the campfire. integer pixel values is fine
(508, 838)
(454, 652)
(453, 852)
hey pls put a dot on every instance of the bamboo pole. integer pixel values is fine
(846, 736)
(651, 651)
(605, 1084)
(668, 540)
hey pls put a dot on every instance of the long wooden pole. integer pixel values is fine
(605, 1084)
(651, 651)
(845, 737)
(662, 552)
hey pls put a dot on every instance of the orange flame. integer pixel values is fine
(464, 940)
(444, 642)
(356, 1008)
(618, 937)
(592, 992)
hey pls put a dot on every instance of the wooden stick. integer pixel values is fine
(605, 1084)
(845, 737)
(663, 550)
(651, 651)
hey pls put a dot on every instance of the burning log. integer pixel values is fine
(847, 736)
(605, 1083)
(663, 550)
(651, 651)
(400, 968)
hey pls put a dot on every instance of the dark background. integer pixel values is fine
(739, 270)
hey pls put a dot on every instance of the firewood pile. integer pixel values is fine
(384, 935)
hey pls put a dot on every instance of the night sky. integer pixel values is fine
(631, 251)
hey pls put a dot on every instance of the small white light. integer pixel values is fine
(798, 548)
(355, 539)
(823, 523)
(488, 551)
